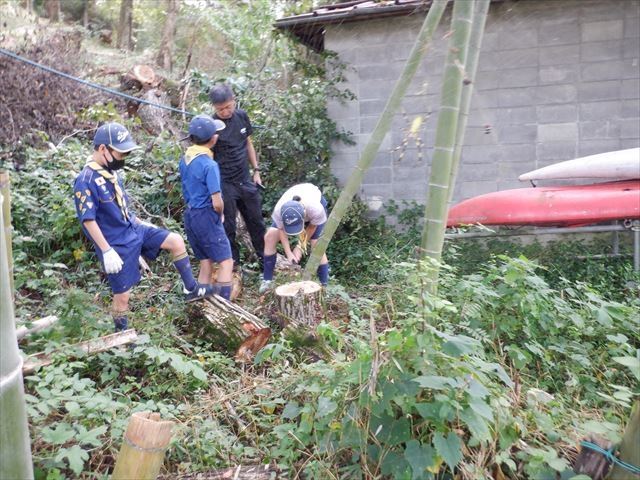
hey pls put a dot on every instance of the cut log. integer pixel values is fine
(140, 77)
(36, 326)
(90, 347)
(154, 119)
(300, 304)
(142, 452)
(243, 332)
(241, 472)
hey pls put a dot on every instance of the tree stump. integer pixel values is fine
(300, 304)
(243, 332)
(140, 77)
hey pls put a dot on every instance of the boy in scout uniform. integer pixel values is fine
(118, 236)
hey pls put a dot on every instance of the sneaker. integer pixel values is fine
(201, 290)
(265, 286)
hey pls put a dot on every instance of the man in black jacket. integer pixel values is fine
(234, 153)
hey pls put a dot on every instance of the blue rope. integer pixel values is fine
(91, 84)
(608, 454)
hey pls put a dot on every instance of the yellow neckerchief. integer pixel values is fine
(113, 178)
(303, 241)
(194, 150)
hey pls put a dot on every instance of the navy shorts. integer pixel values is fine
(206, 235)
(319, 228)
(147, 244)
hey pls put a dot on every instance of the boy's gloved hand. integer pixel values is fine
(112, 261)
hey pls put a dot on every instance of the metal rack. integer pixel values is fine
(626, 226)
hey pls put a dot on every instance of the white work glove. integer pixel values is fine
(112, 261)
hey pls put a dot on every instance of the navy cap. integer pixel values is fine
(203, 127)
(292, 214)
(114, 136)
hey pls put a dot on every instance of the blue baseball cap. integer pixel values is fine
(292, 214)
(203, 127)
(114, 136)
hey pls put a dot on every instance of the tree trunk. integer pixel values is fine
(445, 141)
(28, 5)
(15, 448)
(300, 304)
(165, 53)
(53, 10)
(382, 127)
(242, 331)
(87, 13)
(125, 25)
(142, 452)
(471, 66)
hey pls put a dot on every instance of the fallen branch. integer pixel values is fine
(240, 472)
(90, 347)
(36, 326)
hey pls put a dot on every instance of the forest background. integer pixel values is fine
(524, 349)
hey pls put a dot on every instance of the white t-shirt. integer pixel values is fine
(310, 196)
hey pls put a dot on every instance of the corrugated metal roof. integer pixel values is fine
(309, 27)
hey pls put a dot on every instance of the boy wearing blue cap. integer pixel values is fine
(302, 210)
(204, 217)
(119, 237)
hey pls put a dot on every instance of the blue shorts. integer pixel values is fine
(147, 244)
(319, 228)
(206, 234)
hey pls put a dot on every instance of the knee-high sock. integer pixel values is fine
(269, 266)
(323, 274)
(183, 265)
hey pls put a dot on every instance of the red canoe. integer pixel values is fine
(567, 206)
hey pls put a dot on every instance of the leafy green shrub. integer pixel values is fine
(440, 386)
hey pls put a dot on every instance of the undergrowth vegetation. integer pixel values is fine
(505, 369)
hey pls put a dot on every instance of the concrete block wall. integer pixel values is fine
(557, 79)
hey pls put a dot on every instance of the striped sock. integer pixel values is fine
(183, 265)
(323, 274)
(269, 266)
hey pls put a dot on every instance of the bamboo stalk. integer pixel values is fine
(445, 141)
(89, 347)
(5, 191)
(142, 452)
(420, 46)
(36, 326)
(471, 66)
(15, 448)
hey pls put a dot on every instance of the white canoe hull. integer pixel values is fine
(621, 164)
